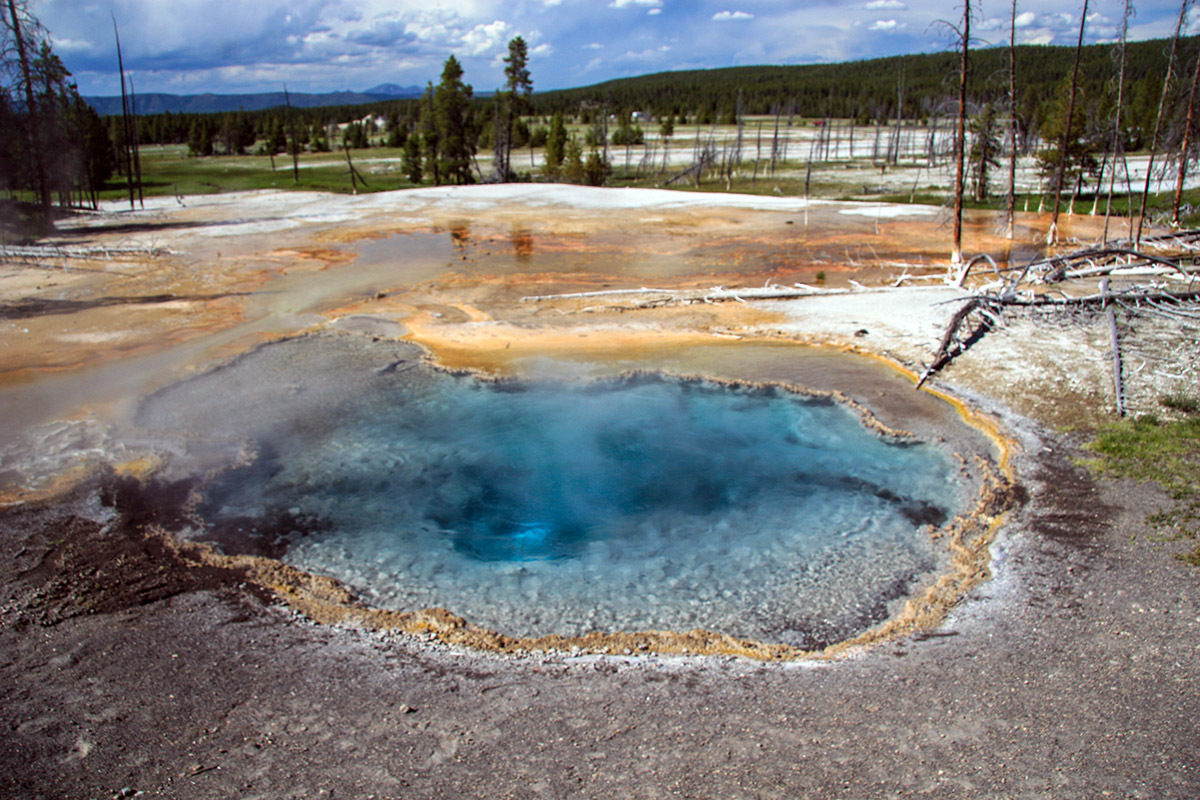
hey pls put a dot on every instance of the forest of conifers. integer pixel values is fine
(52, 144)
(871, 88)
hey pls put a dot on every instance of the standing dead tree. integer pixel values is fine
(1011, 202)
(963, 35)
(294, 144)
(1162, 102)
(1060, 170)
(19, 23)
(1118, 138)
(1185, 146)
(127, 134)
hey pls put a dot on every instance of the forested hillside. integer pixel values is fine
(876, 87)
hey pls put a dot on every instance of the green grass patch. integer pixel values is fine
(1148, 449)
(168, 170)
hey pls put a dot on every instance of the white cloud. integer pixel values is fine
(484, 39)
(654, 11)
(649, 56)
(886, 25)
(876, 5)
(1025, 19)
(62, 45)
(728, 16)
(541, 51)
(635, 4)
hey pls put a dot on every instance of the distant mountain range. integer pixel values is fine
(157, 103)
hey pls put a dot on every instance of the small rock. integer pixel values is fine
(407, 709)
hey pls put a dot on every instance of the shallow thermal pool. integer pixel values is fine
(538, 507)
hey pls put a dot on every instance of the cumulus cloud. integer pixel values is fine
(484, 39)
(729, 16)
(635, 4)
(876, 5)
(63, 45)
(648, 56)
(1025, 19)
(886, 25)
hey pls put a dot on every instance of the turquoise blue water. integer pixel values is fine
(561, 507)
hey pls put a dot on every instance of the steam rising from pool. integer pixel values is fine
(563, 507)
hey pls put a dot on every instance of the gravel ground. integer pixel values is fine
(1072, 674)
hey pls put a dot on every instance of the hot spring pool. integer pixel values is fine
(540, 507)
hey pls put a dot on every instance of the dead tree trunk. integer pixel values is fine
(1186, 145)
(137, 142)
(1118, 140)
(295, 144)
(960, 136)
(1162, 102)
(35, 127)
(1060, 171)
(1011, 204)
(126, 151)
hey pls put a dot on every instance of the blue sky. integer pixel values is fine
(236, 46)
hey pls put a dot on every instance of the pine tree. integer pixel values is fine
(596, 170)
(200, 138)
(513, 101)
(430, 136)
(456, 143)
(573, 161)
(1065, 167)
(985, 150)
(411, 161)
(556, 145)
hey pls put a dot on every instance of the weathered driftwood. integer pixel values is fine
(38, 253)
(1115, 343)
(987, 307)
(952, 344)
(716, 294)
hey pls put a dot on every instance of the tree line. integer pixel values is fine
(1077, 109)
(53, 145)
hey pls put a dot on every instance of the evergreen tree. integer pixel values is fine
(430, 135)
(200, 138)
(411, 162)
(456, 143)
(985, 150)
(1079, 160)
(572, 167)
(556, 144)
(355, 136)
(510, 104)
(596, 170)
(276, 138)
